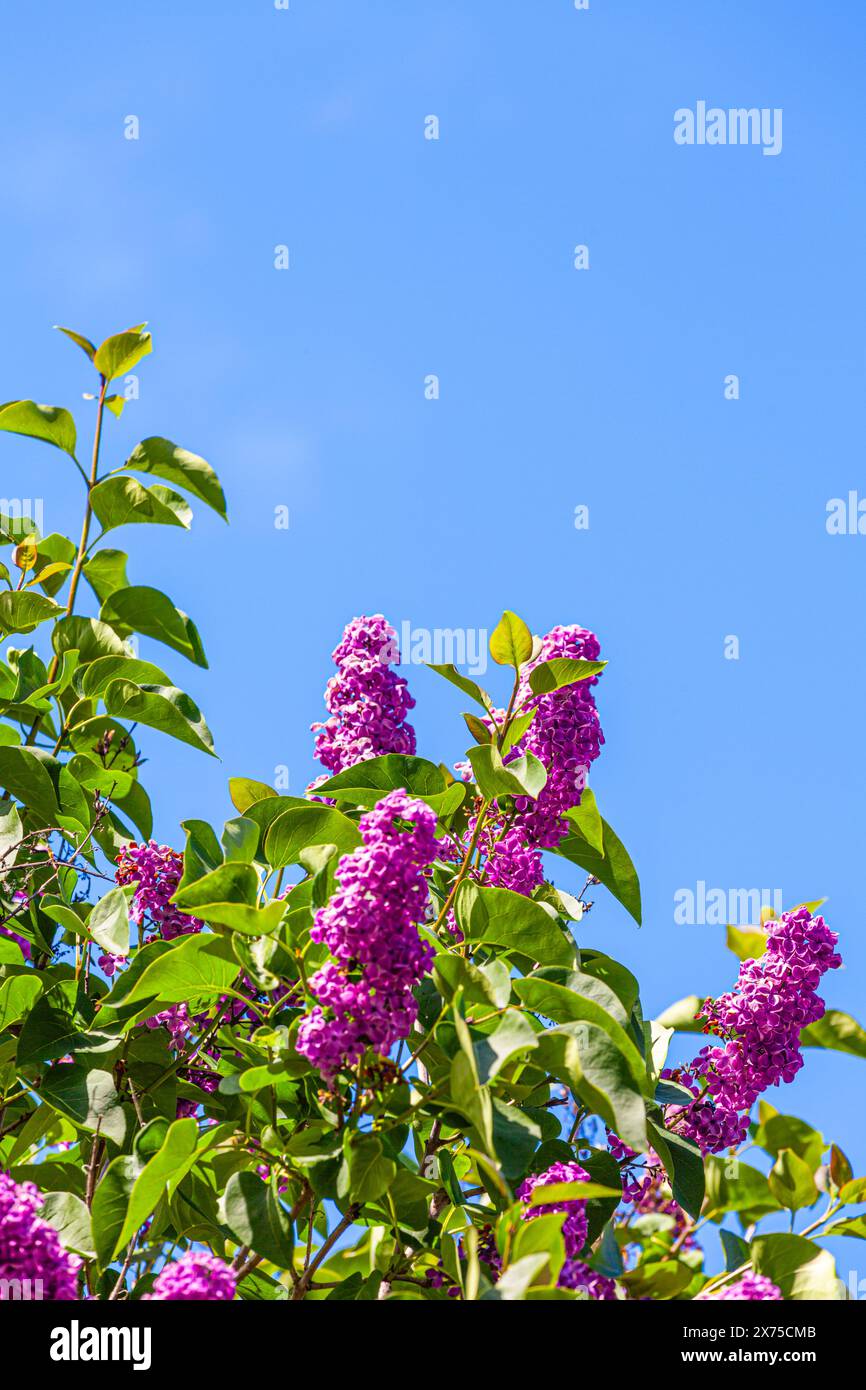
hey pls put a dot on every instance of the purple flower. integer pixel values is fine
(575, 1224)
(365, 994)
(366, 700)
(157, 871)
(577, 1275)
(197, 1276)
(30, 1249)
(760, 1022)
(752, 1288)
(565, 736)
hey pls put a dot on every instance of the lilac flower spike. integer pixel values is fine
(366, 700)
(760, 1021)
(365, 994)
(156, 870)
(30, 1249)
(198, 1277)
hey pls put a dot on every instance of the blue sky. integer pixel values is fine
(558, 388)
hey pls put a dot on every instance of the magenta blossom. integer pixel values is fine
(30, 1249)
(198, 1277)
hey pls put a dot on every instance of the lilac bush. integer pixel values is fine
(354, 1045)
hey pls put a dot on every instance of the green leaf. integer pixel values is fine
(152, 613)
(586, 818)
(797, 1267)
(105, 669)
(472, 1099)
(684, 1166)
(496, 915)
(166, 460)
(11, 828)
(71, 1220)
(369, 1172)
(776, 1132)
(195, 967)
(88, 1097)
(244, 792)
(255, 1217)
(746, 945)
(450, 673)
(105, 572)
(367, 782)
(53, 549)
(85, 344)
(121, 352)
(837, 1031)
(510, 641)
(162, 707)
(854, 1226)
(227, 896)
(89, 637)
(296, 830)
(602, 1073)
(682, 1016)
(524, 776)
(120, 501)
(561, 671)
(22, 612)
(566, 996)
(738, 1187)
(515, 1138)
(110, 1203)
(18, 994)
(736, 1250)
(477, 728)
(613, 868)
(240, 839)
(517, 1278)
(791, 1181)
(202, 853)
(108, 923)
(153, 1181)
(452, 972)
(24, 775)
(512, 1036)
(549, 1193)
(841, 1172)
(46, 422)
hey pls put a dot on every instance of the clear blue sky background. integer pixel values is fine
(305, 389)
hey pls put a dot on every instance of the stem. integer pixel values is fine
(461, 873)
(343, 1225)
(82, 544)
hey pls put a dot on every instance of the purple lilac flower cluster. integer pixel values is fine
(30, 1249)
(575, 1224)
(565, 736)
(198, 1277)
(365, 994)
(752, 1288)
(366, 700)
(575, 1274)
(646, 1188)
(760, 1022)
(156, 870)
